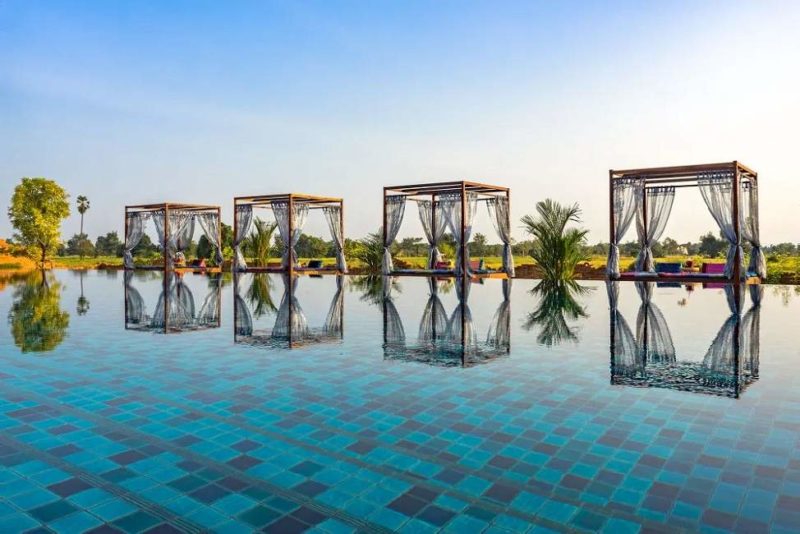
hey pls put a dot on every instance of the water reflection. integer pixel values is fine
(175, 309)
(557, 304)
(83, 304)
(443, 339)
(291, 328)
(648, 358)
(38, 324)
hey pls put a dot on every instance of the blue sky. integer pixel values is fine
(134, 102)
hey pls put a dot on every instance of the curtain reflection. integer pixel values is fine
(447, 340)
(290, 327)
(175, 309)
(649, 360)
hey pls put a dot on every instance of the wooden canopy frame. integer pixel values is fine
(432, 191)
(680, 177)
(313, 202)
(166, 207)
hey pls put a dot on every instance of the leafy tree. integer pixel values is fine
(83, 207)
(38, 206)
(369, 251)
(711, 246)
(146, 247)
(478, 245)
(79, 245)
(411, 246)
(37, 322)
(556, 249)
(670, 247)
(108, 245)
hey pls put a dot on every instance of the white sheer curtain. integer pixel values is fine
(751, 333)
(181, 225)
(653, 336)
(332, 215)
(751, 228)
(135, 232)
(210, 224)
(134, 303)
(460, 327)
(499, 214)
(725, 348)
(243, 323)
(452, 205)
(395, 209)
(210, 308)
(244, 219)
(434, 223)
(394, 333)
(717, 191)
(298, 220)
(158, 222)
(175, 308)
(659, 206)
(627, 193)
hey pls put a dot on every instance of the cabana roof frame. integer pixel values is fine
(292, 199)
(431, 191)
(682, 176)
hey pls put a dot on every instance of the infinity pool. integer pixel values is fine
(339, 405)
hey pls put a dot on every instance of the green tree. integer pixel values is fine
(83, 207)
(79, 245)
(478, 246)
(369, 251)
(38, 324)
(556, 248)
(711, 246)
(108, 245)
(38, 206)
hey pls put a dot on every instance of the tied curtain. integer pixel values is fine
(500, 215)
(653, 337)
(135, 232)
(717, 191)
(433, 325)
(751, 228)
(333, 321)
(651, 220)
(244, 219)
(210, 224)
(499, 335)
(181, 229)
(395, 206)
(209, 313)
(393, 331)
(461, 230)
(333, 216)
(175, 308)
(751, 332)
(297, 218)
(626, 196)
(290, 322)
(434, 223)
(724, 350)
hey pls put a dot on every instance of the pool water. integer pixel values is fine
(130, 404)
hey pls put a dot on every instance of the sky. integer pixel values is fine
(131, 102)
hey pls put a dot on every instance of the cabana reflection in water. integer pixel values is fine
(648, 358)
(291, 327)
(176, 309)
(446, 339)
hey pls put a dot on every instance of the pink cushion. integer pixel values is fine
(713, 268)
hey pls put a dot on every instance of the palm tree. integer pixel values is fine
(259, 242)
(556, 248)
(260, 296)
(83, 207)
(369, 251)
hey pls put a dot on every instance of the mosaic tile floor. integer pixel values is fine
(128, 431)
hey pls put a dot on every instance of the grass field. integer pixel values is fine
(781, 269)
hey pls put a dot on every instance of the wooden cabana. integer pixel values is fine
(290, 211)
(443, 206)
(174, 224)
(730, 191)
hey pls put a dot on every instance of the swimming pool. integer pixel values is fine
(337, 405)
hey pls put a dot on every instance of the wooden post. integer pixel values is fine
(384, 228)
(432, 262)
(611, 229)
(235, 294)
(463, 229)
(341, 228)
(737, 266)
(290, 289)
(219, 235)
(737, 288)
(644, 214)
(165, 251)
(235, 232)
(508, 222)
(288, 245)
(125, 238)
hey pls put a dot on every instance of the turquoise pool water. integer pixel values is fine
(339, 407)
